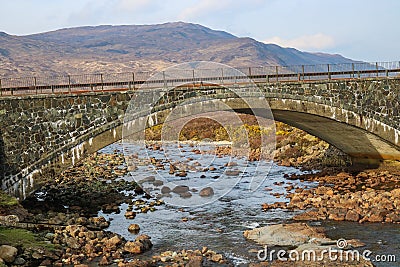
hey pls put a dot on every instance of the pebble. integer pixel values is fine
(134, 228)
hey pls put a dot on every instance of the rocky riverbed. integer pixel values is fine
(64, 230)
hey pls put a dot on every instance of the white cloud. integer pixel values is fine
(306, 42)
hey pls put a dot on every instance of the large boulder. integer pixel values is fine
(8, 253)
(294, 234)
(141, 244)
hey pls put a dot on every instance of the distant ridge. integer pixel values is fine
(126, 48)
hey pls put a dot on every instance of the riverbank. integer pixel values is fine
(368, 196)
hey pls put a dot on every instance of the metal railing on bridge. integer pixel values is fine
(65, 84)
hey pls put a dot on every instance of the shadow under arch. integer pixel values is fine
(366, 149)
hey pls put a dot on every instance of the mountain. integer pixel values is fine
(140, 47)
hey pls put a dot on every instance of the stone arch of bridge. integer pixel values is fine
(363, 146)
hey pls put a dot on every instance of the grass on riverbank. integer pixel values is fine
(7, 200)
(22, 238)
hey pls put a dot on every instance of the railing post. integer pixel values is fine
(34, 85)
(222, 75)
(302, 69)
(329, 72)
(69, 84)
(92, 82)
(194, 84)
(352, 68)
(266, 74)
(277, 73)
(164, 81)
(1, 90)
(133, 80)
(102, 81)
(377, 69)
(249, 72)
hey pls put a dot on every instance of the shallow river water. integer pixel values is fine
(219, 225)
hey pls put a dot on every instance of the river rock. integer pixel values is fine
(180, 189)
(132, 167)
(113, 242)
(130, 215)
(195, 261)
(165, 190)
(206, 192)
(134, 228)
(19, 261)
(185, 195)
(8, 253)
(104, 261)
(216, 257)
(99, 222)
(71, 242)
(172, 169)
(232, 172)
(393, 217)
(110, 208)
(353, 216)
(158, 183)
(182, 173)
(148, 179)
(337, 214)
(141, 244)
(293, 234)
(46, 262)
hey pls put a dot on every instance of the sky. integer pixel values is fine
(366, 30)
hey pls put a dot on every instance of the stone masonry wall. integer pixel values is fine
(33, 128)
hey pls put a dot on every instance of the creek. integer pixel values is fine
(219, 225)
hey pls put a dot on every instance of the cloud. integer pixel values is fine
(204, 7)
(306, 42)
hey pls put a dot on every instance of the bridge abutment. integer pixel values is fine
(43, 134)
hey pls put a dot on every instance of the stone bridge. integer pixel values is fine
(42, 134)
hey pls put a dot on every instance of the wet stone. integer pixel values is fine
(165, 190)
(180, 189)
(206, 192)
